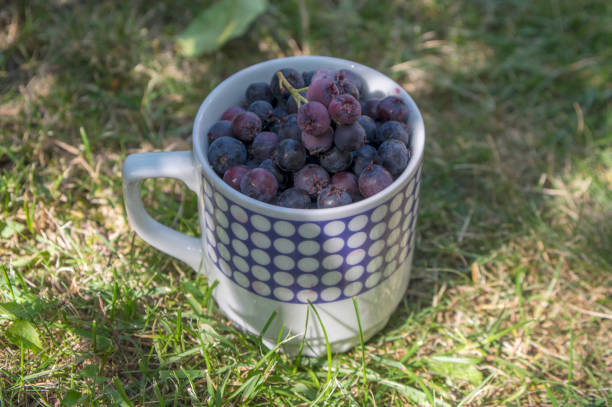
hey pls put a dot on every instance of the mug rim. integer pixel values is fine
(418, 145)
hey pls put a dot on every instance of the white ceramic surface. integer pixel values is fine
(270, 260)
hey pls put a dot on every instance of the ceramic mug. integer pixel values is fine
(274, 264)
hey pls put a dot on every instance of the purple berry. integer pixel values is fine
(259, 184)
(318, 144)
(290, 155)
(246, 125)
(289, 128)
(349, 137)
(347, 181)
(332, 197)
(345, 75)
(324, 73)
(280, 175)
(259, 91)
(349, 88)
(363, 157)
(392, 108)
(264, 145)
(226, 152)
(370, 108)
(263, 110)
(222, 128)
(394, 156)
(293, 198)
(311, 178)
(313, 118)
(345, 109)
(322, 91)
(392, 130)
(335, 160)
(232, 112)
(373, 179)
(233, 175)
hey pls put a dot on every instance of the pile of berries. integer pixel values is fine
(310, 140)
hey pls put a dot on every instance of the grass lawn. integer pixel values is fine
(511, 300)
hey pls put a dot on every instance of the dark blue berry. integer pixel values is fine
(292, 76)
(369, 126)
(263, 110)
(226, 152)
(264, 145)
(349, 137)
(307, 76)
(363, 157)
(294, 198)
(222, 128)
(259, 91)
(290, 155)
(393, 155)
(332, 197)
(335, 160)
(289, 128)
(392, 130)
(370, 108)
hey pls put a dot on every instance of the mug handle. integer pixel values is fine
(175, 164)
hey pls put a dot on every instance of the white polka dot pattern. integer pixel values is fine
(303, 261)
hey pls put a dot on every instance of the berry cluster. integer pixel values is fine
(311, 140)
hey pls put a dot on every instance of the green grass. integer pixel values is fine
(510, 301)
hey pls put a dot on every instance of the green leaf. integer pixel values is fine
(11, 228)
(71, 398)
(217, 24)
(12, 310)
(456, 367)
(23, 333)
(91, 372)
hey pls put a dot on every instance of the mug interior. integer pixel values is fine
(231, 91)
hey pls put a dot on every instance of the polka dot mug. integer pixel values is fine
(274, 264)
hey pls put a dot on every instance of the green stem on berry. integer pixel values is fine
(295, 93)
